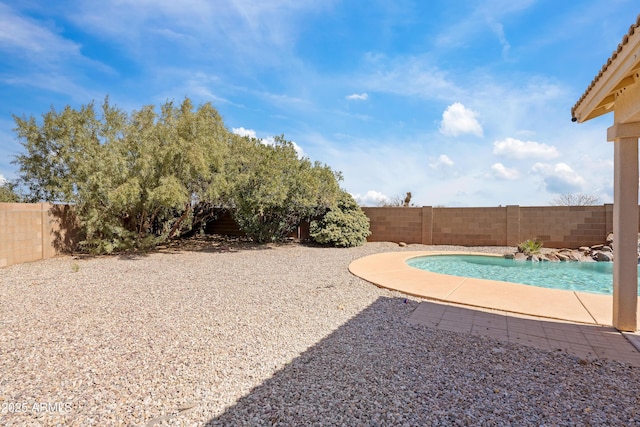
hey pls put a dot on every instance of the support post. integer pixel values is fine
(625, 233)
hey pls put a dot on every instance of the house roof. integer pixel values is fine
(602, 101)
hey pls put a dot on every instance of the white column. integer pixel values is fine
(625, 233)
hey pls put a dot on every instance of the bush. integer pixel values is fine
(273, 191)
(344, 225)
(530, 247)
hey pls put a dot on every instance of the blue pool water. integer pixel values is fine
(595, 277)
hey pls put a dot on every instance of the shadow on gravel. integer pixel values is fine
(376, 372)
(215, 244)
(207, 243)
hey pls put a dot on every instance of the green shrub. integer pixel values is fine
(344, 225)
(272, 190)
(530, 247)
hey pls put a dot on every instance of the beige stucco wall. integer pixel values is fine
(556, 226)
(32, 231)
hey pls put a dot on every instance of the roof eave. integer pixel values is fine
(620, 71)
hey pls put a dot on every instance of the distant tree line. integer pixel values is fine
(139, 179)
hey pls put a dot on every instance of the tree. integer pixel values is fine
(344, 225)
(7, 192)
(575, 199)
(134, 179)
(138, 179)
(272, 191)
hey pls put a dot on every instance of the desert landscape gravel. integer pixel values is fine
(226, 333)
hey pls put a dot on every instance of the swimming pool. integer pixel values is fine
(594, 277)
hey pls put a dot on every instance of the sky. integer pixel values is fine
(460, 102)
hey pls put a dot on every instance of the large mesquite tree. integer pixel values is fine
(133, 179)
(138, 179)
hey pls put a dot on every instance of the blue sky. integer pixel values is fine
(463, 103)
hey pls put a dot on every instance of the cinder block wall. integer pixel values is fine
(566, 226)
(30, 232)
(470, 226)
(34, 231)
(21, 228)
(556, 226)
(395, 224)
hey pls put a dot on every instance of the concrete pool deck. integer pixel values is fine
(588, 317)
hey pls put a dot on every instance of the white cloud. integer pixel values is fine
(25, 36)
(371, 198)
(3, 180)
(254, 28)
(468, 25)
(498, 30)
(457, 120)
(407, 76)
(244, 132)
(357, 97)
(559, 178)
(517, 149)
(442, 161)
(502, 172)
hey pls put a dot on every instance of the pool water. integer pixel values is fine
(595, 277)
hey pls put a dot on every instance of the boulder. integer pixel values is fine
(601, 253)
(604, 256)
(551, 257)
(573, 255)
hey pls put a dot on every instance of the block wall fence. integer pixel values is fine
(556, 226)
(34, 231)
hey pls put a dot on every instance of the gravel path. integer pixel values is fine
(268, 335)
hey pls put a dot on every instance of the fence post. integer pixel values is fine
(513, 225)
(427, 225)
(608, 210)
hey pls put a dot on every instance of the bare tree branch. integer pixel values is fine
(575, 199)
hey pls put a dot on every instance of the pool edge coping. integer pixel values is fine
(390, 270)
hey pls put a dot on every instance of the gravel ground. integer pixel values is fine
(234, 334)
